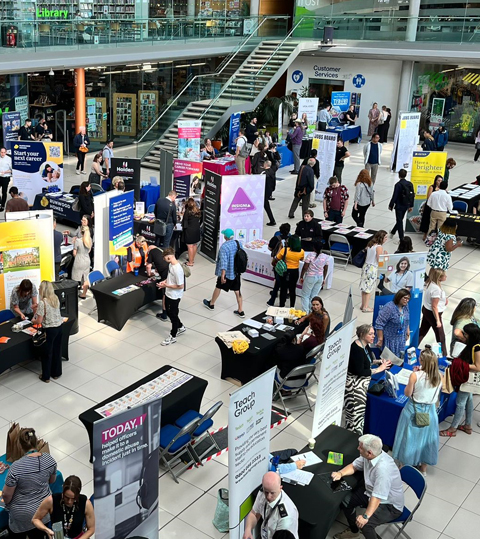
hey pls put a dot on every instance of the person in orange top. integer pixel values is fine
(292, 257)
(137, 254)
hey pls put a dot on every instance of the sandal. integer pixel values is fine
(367, 310)
(188, 264)
(464, 428)
(448, 433)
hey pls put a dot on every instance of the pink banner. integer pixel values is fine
(189, 134)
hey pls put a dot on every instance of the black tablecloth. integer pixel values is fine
(255, 361)
(472, 202)
(62, 209)
(357, 244)
(468, 225)
(20, 346)
(186, 397)
(118, 309)
(317, 505)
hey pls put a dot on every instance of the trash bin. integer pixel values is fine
(9, 36)
(67, 293)
(220, 520)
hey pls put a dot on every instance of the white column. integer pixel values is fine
(191, 8)
(254, 7)
(405, 86)
(413, 11)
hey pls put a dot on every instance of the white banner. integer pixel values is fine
(308, 106)
(332, 379)
(249, 416)
(326, 145)
(280, 123)
(406, 140)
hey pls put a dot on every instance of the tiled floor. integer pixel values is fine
(104, 360)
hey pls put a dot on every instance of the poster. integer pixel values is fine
(242, 207)
(280, 123)
(332, 379)
(425, 166)
(189, 134)
(120, 222)
(11, 124)
(248, 446)
(125, 470)
(21, 106)
(413, 279)
(187, 182)
(436, 114)
(234, 131)
(147, 108)
(340, 102)
(326, 146)
(97, 118)
(37, 167)
(308, 106)
(26, 251)
(405, 141)
(211, 214)
(128, 168)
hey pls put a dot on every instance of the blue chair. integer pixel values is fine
(282, 385)
(315, 356)
(340, 248)
(111, 266)
(6, 315)
(461, 206)
(151, 208)
(416, 481)
(95, 277)
(203, 429)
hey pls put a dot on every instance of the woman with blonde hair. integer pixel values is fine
(81, 265)
(49, 317)
(434, 303)
(364, 197)
(415, 445)
(368, 278)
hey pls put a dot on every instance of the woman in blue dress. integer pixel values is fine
(418, 446)
(393, 323)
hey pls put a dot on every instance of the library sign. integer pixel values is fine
(52, 13)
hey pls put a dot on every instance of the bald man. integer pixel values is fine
(274, 507)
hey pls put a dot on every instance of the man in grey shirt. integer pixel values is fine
(381, 492)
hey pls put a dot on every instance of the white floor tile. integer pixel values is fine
(463, 525)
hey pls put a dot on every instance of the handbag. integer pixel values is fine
(422, 419)
(83, 149)
(40, 337)
(430, 239)
(281, 266)
(359, 259)
(159, 226)
(447, 386)
(76, 205)
(377, 389)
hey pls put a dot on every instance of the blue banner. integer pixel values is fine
(11, 122)
(120, 221)
(341, 101)
(234, 131)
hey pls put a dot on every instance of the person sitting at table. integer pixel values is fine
(287, 355)
(70, 508)
(393, 323)
(402, 277)
(81, 263)
(137, 254)
(381, 491)
(317, 310)
(463, 314)
(85, 199)
(96, 173)
(360, 370)
(209, 149)
(313, 335)
(413, 445)
(27, 485)
(24, 299)
(309, 230)
(275, 245)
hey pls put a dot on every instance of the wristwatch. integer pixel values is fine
(365, 516)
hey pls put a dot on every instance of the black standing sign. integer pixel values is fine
(211, 214)
(128, 168)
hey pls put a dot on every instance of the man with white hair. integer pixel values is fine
(381, 492)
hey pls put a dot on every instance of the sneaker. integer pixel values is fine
(77, 172)
(273, 223)
(207, 305)
(162, 317)
(312, 205)
(291, 216)
(241, 314)
(83, 172)
(270, 303)
(346, 534)
(169, 340)
(271, 198)
(181, 330)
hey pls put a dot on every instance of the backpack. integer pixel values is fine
(240, 261)
(186, 270)
(405, 198)
(281, 265)
(245, 149)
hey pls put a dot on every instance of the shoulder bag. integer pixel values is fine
(359, 259)
(76, 205)
(40, 337)
(422, 419)
(300, 192)
(160, 227)
(472, 385)
(281, 265)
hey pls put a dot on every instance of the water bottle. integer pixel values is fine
(439, 350)
(57, 528)
(275, 462)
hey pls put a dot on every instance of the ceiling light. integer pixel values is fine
(51, 72)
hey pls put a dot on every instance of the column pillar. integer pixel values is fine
(15, 85)
(191, 8)
(80, 108)
(413, 12)
(404, 88)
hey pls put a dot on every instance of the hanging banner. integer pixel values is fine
(308, 106)
(425, 166)
(128, 168)
(211, 214)
(326, 146)
(403, 270)
(436, 114)
(125, 471)
(11, 123)
(248, 446)
(242, 207)
(120, 223)
(187, 182)
(332, 379)
(234, 131)
(280, 123)
(21, 106)
(405, 141)
(37, 167)
(26, 251)
(189, 135)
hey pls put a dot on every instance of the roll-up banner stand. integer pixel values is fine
(189, 134)
(211, 215)
(405, 141)
(326, 146)
(166, 173)
(234, 131)
(11, 123)
(128, 168)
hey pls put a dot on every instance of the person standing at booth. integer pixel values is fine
(137, 254)
(166, 211)
(5, 176)
(80, 145)
(107, 155)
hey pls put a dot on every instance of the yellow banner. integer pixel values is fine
(425, 166)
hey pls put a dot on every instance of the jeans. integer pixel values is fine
(335, 216)
(311, 288)
(288, 282)
(172, 308)
(399, 216)
(296, 157)
(80, 160)
(338, 171)
(305, 200)
(164, 241)
(240, 162)
(372, 169)
(358, 215)
(464, 403)
(4, 181)
(52, 356)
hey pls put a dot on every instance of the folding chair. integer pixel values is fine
(5, 315)
(315, 355)
(93, 278)
(461, 206)
(340, 248)
(110, 267)
(337, 327)
(303, 370)
(151, 208)
(175, 442)
(203, 429)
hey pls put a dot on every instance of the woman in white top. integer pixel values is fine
(414, 445)
(368, 279)
(434, 303)
(401, 278)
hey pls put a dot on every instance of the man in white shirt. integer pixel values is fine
(274, 507)
(107, 155)
(241, 153)
(381, 492)
(441, 203)
(174, 285)
(5, 176)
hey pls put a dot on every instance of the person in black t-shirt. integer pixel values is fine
(341, 154)
(26, 131)
(351, 115)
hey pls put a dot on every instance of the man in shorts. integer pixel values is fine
(227, 279)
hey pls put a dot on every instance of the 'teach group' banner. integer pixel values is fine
(120, 222)
(326, 146)
(189, 134)
(248, 446)
(11, 125)
(405, 141)
(37, 167)
(234, 131)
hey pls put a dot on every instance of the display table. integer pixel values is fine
(468, 225)
(225, 166)
(357, 244)
(61, 207)
(285, 154)
(347, 133)
(20, 346)
(118, 309)
(472, 202)
(317, 504)
(186, 397)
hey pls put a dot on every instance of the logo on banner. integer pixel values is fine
(297, 76)
(358, 81)
(241, 202)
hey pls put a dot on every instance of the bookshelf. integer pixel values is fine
(97, 118)
(147, 108)
(125, 114)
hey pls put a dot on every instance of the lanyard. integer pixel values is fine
(265, 518)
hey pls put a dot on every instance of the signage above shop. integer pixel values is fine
(52, 13)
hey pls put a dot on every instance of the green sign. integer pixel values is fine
(52, 13)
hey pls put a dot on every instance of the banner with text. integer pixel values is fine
(37, 167)
(234, 131)
(340, 102)
(21, 106)
(425, 166)
(129, 169)
(405, 141)
(332, 379)
(248, 446)
(308, 106)
(280, 123)
(326, 146)
(11, 125)
(120, 221)
(189, 134)
(187, 182)
(242, 207)
(211, 214)
(125, 471)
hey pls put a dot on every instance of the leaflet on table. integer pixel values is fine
(469, 186)
(363, 235)
(300, 477)
(253, 323)
(390, 356)
(358, 229)
(327, 227)
(29, 331)
(281, 312)
(342, 231)
(403, 376)
(125, 290)
(309, 456)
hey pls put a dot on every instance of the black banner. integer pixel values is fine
(211, 218)
(128, 168)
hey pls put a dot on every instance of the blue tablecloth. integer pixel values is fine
(106, 184)
(286, 155)
(383, 412)
(348, 134)
(56, 488)
(149, 194)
